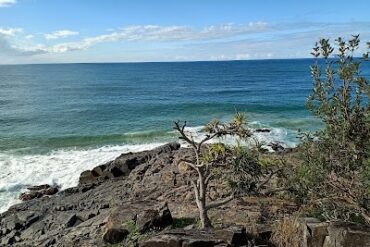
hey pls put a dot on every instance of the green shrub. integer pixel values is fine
(335, 172)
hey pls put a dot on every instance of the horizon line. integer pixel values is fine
(190, 61)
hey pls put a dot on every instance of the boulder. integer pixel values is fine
(115, 235)
(342, 234)
(334, 234)
(236, 237)
(38, 192)
(10, 239)
(124, 164)
(87, 177)
(277, 147)
(154, 219)
(72, 220)
(39, 187)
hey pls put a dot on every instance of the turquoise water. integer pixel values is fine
(58, 120)
(46, 107)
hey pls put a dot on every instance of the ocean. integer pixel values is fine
(61, 119)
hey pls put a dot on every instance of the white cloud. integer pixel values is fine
(10, 50)
(30, 36)
(60, 34)
(161, 33)
(7, 3)
(10, 31)
(242, 56)
(254, 40)
(9, 38)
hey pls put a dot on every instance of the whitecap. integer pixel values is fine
(61, 167)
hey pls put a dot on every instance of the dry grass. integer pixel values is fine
(287, 233)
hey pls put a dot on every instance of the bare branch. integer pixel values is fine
(267, 179)
(181, 130)
(273, 191)
(220, 203)
(189, 163)
(208, 178)
(207, 138)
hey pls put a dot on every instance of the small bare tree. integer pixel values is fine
(246, 168)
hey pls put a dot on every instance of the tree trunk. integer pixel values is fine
(205, 222)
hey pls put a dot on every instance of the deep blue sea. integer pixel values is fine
(58, 120)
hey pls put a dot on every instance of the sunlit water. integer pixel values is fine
(58, 120)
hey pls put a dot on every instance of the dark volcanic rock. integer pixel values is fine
(114, 235)
(122, 195)
(154, 219)
(147, 220)
(124, 164)
(195, 238)
(39, 187)
(103, 203)
(277, 147)
(38, 191)
(263, 130)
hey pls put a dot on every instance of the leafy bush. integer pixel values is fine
(235, 165)
(335, 172)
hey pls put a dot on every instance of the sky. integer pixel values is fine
(85, 31)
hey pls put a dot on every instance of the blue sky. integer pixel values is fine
(56, 31)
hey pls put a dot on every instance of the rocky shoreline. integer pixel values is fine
(144, 199)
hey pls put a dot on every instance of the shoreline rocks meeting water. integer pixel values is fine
(143, 199)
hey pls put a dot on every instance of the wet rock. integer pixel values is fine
(262, 130)
(38, 192)
(123, 165)
(87, 177)
(99, 170)
(107, 206)
(26, 196)
(39, 187)
(277, 147)
(115, 172)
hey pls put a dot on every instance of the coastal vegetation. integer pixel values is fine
(334, 176)
(237, 165)
(317, 194)
(331, 178)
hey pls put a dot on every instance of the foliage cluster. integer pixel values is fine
(334, 176)
(237, 166)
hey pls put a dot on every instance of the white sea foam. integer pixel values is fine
(61, 167)
(285, 137)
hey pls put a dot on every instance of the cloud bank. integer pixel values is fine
(60, 34)
(7, 3)
(229, 41)
(10, 31)
(161, 34)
